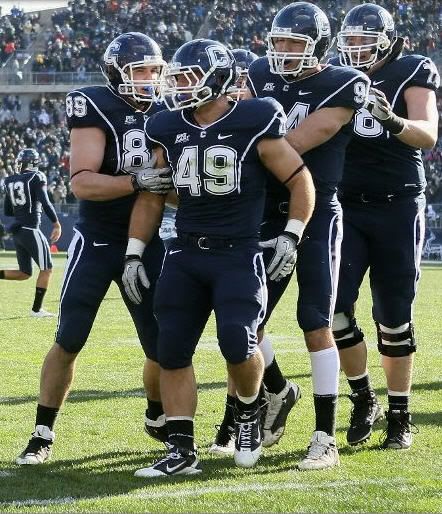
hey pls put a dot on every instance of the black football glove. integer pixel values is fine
(284, 259)
(133, 274)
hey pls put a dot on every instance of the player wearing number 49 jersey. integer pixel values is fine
(110, 164)
(220, 152)
(382, 194)
(319, 101)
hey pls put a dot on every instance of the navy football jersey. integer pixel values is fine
(126, 151)
(376, 161)
(216, 169)
(331, 87)
(26, 195)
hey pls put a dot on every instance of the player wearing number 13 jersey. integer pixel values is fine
(109, 163)
(319, 101)
(382, 194)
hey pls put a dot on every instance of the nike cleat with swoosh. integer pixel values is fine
(179, 461)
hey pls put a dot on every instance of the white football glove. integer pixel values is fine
(154, 180)
(380, 109)
(284, 259)
(133, 274)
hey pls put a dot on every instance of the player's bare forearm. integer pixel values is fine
(318, 128)
(302, 196)
(146, 216)
(97, 187)
(419, 134)
(421, 127)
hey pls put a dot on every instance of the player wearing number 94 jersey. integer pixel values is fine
(109, 164)
(319, 101)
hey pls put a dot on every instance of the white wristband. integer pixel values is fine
(135, 246)
(296, 227)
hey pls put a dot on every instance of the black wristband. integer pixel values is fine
(393, 124)
(291, 235)
(135, 184)
(131, 257)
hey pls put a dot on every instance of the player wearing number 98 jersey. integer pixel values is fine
(319, 101)
(382, 194)
(110, 161)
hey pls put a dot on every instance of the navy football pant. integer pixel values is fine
(194, 282)
(386, 238)
(317, 266)
(93, 264)
(31, 245)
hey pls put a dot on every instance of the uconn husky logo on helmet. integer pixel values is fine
(27, 159)
(301, 22)
(200, 71)
(133, 66)
(366, 36)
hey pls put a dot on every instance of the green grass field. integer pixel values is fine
(100, 440)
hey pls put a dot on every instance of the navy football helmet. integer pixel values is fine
(200, 71)
(128, 53)
(366, 36)
(243, 60)
(27, 159)
(299, 21)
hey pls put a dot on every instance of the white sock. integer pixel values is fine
(267, 351)
(325, 371)
(247, 399)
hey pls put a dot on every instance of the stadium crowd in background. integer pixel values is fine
(81, 32)
(16, 31)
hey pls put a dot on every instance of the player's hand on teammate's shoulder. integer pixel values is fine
(154, 180)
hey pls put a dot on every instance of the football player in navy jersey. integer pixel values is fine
(382, 193)
(110, 163)
(319, 101)
(26, 195)
(220, 152)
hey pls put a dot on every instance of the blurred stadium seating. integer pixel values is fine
(44, 54)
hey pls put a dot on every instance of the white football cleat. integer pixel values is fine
(39, 447)
(322, 452)
(248, 439)
(42, 314)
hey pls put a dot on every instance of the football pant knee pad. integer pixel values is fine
(346, 331)
(396, 341)
(236, 342)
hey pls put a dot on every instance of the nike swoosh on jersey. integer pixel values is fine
(174, 251)
(376, 82)
(100, 244)
(224, 137)
(302, 93)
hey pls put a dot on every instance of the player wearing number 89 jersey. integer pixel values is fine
(110, 163)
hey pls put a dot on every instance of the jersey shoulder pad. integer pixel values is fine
(258, 72)
(420, 71)
(88, 107)
(161, 124)
(349, 88)
(269, 115)
(42, 178)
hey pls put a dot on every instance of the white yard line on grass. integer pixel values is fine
(202, 491)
